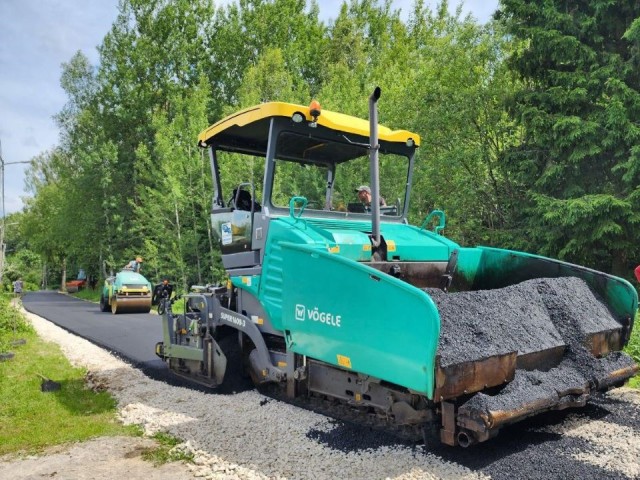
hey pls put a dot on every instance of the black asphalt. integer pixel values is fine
(130, 336)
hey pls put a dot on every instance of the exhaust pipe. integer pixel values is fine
(465, 439)
(374, 168)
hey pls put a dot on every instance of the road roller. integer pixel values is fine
(126, 292)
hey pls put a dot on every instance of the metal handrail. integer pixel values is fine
(438, 227)
(292, 206)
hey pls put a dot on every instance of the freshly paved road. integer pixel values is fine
(131, 336)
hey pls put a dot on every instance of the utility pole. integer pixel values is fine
(3, 225)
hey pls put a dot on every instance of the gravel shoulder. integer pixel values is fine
(246, 435)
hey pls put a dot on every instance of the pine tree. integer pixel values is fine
(579, 160)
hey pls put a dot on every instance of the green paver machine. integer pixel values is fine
(348, 307)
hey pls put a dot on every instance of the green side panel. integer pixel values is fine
(250, 283)
(414, 245)
(486, 268)
(271, 292)
(350, 315)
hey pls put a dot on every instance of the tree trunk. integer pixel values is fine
(620, 264)
(63, 287)
(184, 276)
(43, 284)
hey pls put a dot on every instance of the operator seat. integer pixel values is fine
(241, 200)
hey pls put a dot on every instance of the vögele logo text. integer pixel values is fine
(303, 312)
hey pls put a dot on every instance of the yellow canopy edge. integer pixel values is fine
(333, 120)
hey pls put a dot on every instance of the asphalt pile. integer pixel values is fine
(532, 316)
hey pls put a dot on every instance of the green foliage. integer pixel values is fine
(578, 164)
(170, 209)
(129, 180)
(268, 81)
(11, 320)
(633, 347)
(167, 70)
(24, 264)
(88, 294)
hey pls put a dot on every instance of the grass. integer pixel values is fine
(88, 294)
(165, 453)
(30, 419)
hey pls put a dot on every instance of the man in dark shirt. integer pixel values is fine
(364, 195)
(160, 291)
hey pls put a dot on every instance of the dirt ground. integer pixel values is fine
(103, 458)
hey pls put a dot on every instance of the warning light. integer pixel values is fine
(314, 110)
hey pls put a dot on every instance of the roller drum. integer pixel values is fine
(131, 304)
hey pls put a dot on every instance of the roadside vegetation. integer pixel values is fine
(31, 419)
(633, 349)
(88, 294)
(165, 452)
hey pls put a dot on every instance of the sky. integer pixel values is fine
(38, 36)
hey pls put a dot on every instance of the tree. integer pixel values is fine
(87, 172)
(579, 158)
(129, 180)
(458, 84)
(171, 213)
(44, 223)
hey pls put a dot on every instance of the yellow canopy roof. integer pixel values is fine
(232, 126)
